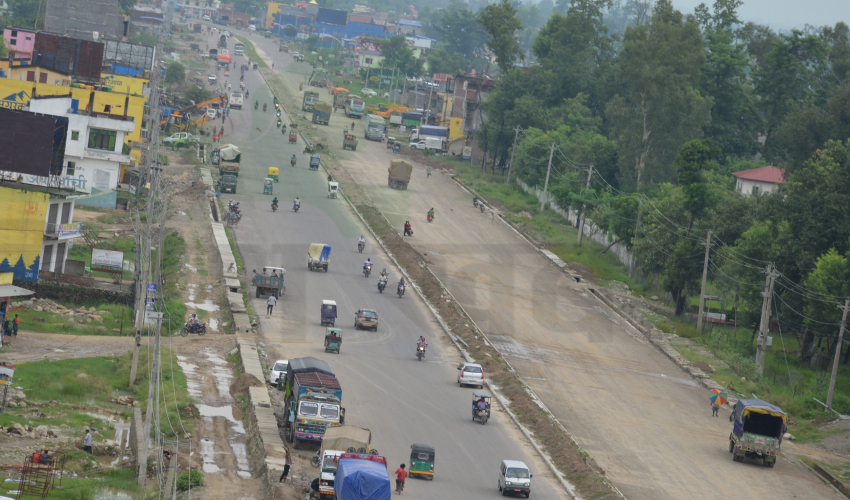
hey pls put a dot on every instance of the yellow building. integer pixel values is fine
(271, 9)
(122, 84)
(14, 94)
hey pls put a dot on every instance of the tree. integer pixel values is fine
(24, 12)
(500, 21)
(830, 277)
(175, 74)
(3, 50)
(659, 67)
(459, 30)
(440, 61)
(393, 50)
(693, 161)
(725, 15)
(126, 5)
(290, 31)
(198, 94)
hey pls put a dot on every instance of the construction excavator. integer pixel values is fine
(177, 122)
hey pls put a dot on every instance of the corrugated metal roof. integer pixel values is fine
(409, 22)
(770, 174)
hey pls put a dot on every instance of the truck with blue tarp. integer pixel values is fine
(361, 479)
(757, 431)
(312, 400)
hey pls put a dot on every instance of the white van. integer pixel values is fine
(514, 478)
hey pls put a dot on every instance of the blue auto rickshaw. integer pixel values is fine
(314, 162)
(328, 312)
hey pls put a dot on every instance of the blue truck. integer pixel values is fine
(322, 113)
(358, 479)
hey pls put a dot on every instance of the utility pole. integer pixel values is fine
(637, 228)
(583, 214)
(838, 344)
(513, 151)
(761, 347)
(704, 276)
(548, 171)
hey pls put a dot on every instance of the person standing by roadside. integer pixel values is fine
(221, 133)
(286, 466)
(15, 324)
(715, 408)
(87, 443)
(429, 171)
(270, 306)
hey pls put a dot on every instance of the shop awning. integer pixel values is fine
(14, 291)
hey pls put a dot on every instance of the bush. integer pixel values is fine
(192, 479)
(175, 74)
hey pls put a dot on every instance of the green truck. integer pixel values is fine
(310, 99)
(226, 184)
(227, 158)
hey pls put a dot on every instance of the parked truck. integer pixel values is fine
(228, 158)
(429, 131)
(310, 99)
(375, 128)
(336, 441)
(312, 400)
(354, 107)
(239, 49)
(362, 477)
(411, 118)
(399, 173)
(395, 118)
(322, 113)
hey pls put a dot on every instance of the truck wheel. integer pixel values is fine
(354, 148)
(770, 464)
(258, 293)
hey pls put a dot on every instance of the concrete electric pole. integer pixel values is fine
(761, 347)
(704, 277)
(546, 184)
(637, 228)
(838, 344)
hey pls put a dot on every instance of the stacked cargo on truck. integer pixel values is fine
(313, 400)
(322, 113)
(228, 158)
(340, 98)
(310, 99)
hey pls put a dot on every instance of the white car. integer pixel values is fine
(278, 370)
(252, 27)
(211, 114)
(223, 52)
(369, 92)
(418, 145)
(206, 17)
(470, 374)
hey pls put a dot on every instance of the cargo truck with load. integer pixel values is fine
(399, 173)
(411, 118)
(354, 107)
(312, 400)
(362, 477)
(375, 128)
(228, 158)
(309, 100)
(429, 131)
(322, 113)
(340, 97)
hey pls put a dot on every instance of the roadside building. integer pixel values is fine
(759, 180)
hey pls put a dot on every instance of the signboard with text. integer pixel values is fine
(107, 258)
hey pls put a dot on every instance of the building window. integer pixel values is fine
(75, 135)
(30, 76)
(72, 166)
(13, 41)
(14, 33)
(102, 139)
(755, 190)
(42, 78)
(368, 60)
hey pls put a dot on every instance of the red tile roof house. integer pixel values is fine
(759, 180)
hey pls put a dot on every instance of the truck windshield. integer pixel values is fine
(328, 464)
(309, 409)
(330, 411)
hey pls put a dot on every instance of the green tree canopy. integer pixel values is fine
(501, 23)
(175, 74)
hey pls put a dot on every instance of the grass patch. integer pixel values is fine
(105, 219)
(81, 251)
(251, 52)
(111, 480)
(49, 322)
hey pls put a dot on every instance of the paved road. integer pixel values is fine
(403, 401)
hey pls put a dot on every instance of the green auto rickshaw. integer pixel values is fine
(422, 461)
(333, 340)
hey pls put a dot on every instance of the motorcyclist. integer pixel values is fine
(431, 212)
(296, 203)
(293, 159)
(361, 241)
(265, 106)
(400, 286)
(385, 276)
(421, 342)
(367, 263)
(274, 202)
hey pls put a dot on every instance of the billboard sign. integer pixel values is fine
(107, 258)
(22, 216)
(7, 371)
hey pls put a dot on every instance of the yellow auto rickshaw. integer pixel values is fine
(273, 173)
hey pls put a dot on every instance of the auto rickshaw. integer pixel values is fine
(333, 187)
(318, 256)
(478, 414)
(333, 339)
(314, 162)
(328, 312)
(273, 173)
(268, 186)
(390, 142)
(293, 136)
(421, 461)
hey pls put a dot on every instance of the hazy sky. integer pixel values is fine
(784, 14)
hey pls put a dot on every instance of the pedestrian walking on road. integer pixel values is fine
(221, 133)
(15, 323)
(345, 131)
(228, 111)
(87, 443)
(270, 306)
(287, 465)
(715, 408)
(272, 64)
(429, 171)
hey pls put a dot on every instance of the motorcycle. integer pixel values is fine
(430, 217)
(296, 207)
(475, 202)
(482, 208)
(199, 328)
(309, 149)
(400, 290)
(255, 105)
(264, 108)
(292, 161)
(420, 352)
(233, 207)
(274, 207)
(381, 285)
(283, 129)
(367, 270)
(360, 247)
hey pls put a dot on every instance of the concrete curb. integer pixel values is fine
(832, 480)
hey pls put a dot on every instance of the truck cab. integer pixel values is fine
(329, 463)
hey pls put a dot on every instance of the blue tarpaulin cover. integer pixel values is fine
(362, 480)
